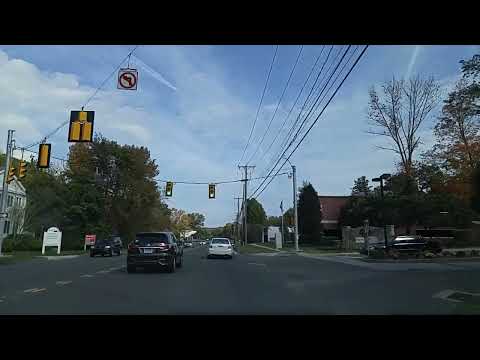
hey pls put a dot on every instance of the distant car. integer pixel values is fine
(220, 247)
(409, 244)
(188, 244)
(109, 246)
(203, 242)
(155, 249)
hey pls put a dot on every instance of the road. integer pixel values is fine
(247, 284)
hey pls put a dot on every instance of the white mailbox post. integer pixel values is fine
(52, 237)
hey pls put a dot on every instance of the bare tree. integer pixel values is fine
(399, 113)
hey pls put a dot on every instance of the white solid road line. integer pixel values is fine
(61, 283)
(34, 290)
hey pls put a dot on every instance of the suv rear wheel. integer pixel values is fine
(180, 263)
(131, 269)
(171, 267)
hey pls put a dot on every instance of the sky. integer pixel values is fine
(195, 107)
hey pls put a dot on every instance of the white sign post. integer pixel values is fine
(52, 237)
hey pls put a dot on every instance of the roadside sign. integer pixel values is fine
(52, 237)
(89, 240)
(127, 79)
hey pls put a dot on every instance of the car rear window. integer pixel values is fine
(151, 239)
(220, 241)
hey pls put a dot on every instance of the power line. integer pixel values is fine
(53, 132)
(311, 126)
(304, 120)
(278, 104)
(217, 182)
(295, 103)
(260, 104)
(294, 125)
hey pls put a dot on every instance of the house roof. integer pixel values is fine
(331, 206)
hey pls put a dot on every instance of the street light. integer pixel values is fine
(380, 180)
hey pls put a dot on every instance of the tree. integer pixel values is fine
(289, 217)
(274, 221)
(255, 213)
(361, 187)
(196, 220)
(400, 113)
(309, 214)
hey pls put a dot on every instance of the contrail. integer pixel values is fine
(154, 74)
(413, 60)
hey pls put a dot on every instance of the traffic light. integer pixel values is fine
(11, 174)
(169, 188)
(44, 156)
(211, 191)
(22, 169)
(81, 126)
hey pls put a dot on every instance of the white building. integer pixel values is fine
(17, 199)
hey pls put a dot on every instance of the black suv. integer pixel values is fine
(154, 249)
(109, 246)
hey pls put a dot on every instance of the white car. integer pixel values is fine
(220, 247)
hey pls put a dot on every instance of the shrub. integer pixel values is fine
(460, 254)
(7, 245)
(22, 242)
(474, 253)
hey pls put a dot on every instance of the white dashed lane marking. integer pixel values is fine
(103, 272)
(87, 276)
(34, 290)
(61, 283)
(258, 264)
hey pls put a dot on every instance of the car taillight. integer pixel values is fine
(133, 249)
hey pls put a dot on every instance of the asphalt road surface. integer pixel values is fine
(247, 284)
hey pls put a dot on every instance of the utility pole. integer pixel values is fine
(238, 217)
(283, 235)
(295, 208)
(245, 179)
(3, 204)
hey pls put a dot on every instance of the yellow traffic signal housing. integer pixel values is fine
(169, 188)
(44, 156)
(211, 191)
(11, 174)
(22, 170)
(81, 126)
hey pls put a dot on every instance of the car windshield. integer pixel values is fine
(151, 239)
(220, 241)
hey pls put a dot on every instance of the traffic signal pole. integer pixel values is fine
(3, 205)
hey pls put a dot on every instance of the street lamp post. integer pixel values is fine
(380, 180)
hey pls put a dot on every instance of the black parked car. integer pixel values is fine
(409, 244)
(155, 249)
(110, 246)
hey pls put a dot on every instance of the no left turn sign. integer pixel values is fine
(127, 79)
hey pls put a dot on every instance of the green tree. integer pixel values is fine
(274, 221)
(309, 214)
(360, 186)
(255, 212)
